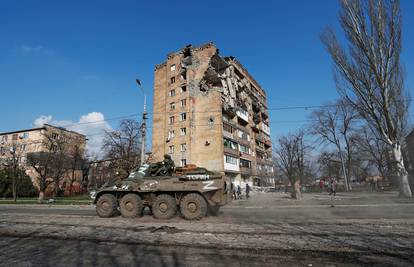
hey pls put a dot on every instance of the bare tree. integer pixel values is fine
(123, 147)
(100, 173)
(334, 125)
(370, 75)
(329, 164)
(14, 163)
(52, 163)
(374, 150)
(290, 158)
(76, 161)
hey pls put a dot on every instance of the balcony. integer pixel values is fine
(266, 128)
(255, 106)
(228, 135)
(256, 118)
(263, 161)
(264, 114)
(229, 110)
(243, 114)
(232, 165)
(244, 142)
(246, 171)
(268, 144)
(262, 137)
(232, 152)
(255, 128)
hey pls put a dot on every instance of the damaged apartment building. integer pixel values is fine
(209, 111)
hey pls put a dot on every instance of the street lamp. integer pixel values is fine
(144, 124)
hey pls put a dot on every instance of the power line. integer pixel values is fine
(178, 125)
(176, 112)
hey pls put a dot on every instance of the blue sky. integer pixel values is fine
(67, 59)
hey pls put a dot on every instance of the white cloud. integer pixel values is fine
(37, 49)
(93, 125)
(39, 122)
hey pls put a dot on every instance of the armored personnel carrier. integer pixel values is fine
(166, 190)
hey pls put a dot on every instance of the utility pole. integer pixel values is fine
(144, 123)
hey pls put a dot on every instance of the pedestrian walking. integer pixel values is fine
(248, 189)
(238, 195)
(332, 186)
(332, 190)
(321, 184)
(233, 192)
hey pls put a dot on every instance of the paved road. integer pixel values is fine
(273, 208)
(266, 230)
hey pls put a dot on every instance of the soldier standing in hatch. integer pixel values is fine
(163, 168)
(168, 164)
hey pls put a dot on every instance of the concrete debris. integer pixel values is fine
(222, 75)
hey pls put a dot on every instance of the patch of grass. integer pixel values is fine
(75, 200)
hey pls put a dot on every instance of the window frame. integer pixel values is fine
(183, 103)
(171, 149)
(183, 116)
(183, 162)
(171, 120)
(183, 147)
(183, 131)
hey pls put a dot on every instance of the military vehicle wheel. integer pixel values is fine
(213, 210)
(131, 206)
(164, 207)
(193, 206)
(107, 206)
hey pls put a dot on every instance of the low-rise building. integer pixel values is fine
(17, 146)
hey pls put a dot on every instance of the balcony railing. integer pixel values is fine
(228, 135)
(256, 118)
(260, 137)
(246, 171)
(264, 114)
(244, 142)
(229, 110)
(230, 151)
(262, 161)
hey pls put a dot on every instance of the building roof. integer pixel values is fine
(42, 128)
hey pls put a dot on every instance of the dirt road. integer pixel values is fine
(266, 230)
